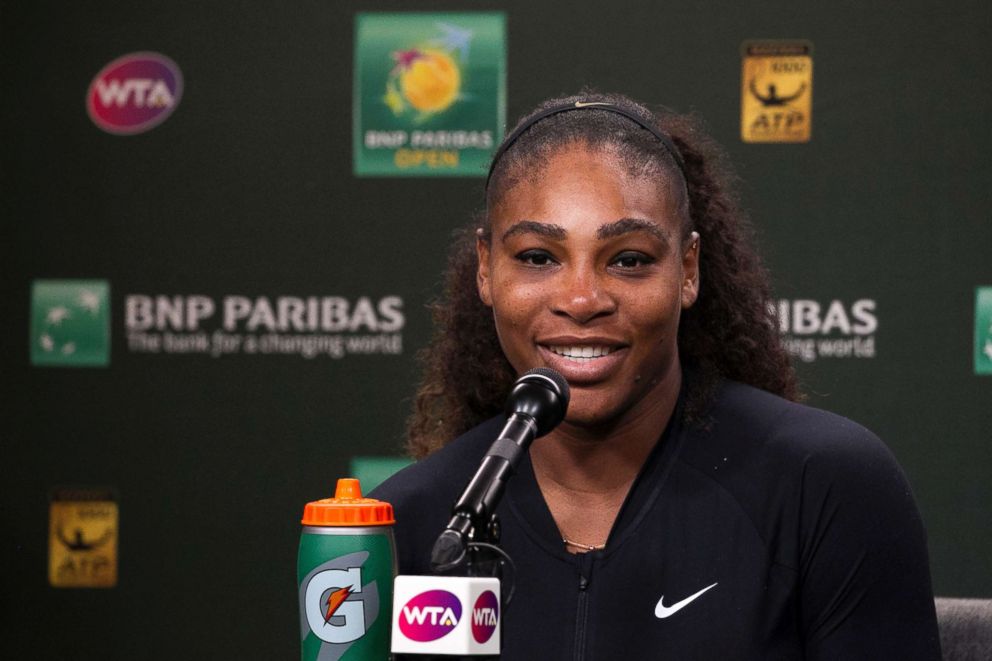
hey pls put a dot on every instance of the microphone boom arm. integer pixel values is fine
(536, 405)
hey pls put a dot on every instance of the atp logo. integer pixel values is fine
(332, 614)
(485, 616)
(134, 93)
(430, 615)
(70, 323)
(777, 91)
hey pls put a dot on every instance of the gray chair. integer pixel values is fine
(965, 628)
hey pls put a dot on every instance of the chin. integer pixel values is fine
(589, 415)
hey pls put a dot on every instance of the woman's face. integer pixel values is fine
(587, 273)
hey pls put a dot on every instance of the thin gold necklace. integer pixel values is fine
(584, 547)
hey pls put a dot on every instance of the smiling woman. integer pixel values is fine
(603, 271)
(686, 502)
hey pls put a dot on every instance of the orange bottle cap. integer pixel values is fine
(348, 508)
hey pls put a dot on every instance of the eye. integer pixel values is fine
(536, 258)
(631, 260)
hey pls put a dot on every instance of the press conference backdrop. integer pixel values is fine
(222, 223)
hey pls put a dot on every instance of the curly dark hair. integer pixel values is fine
(729, 333)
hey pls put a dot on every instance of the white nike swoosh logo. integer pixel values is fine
(661, 611)
(586, 104)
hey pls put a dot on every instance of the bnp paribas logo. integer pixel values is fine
(70, 323)
(983, 330)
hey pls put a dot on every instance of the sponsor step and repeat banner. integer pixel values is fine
(219, 304)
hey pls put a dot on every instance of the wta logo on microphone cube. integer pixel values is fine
(445, 615)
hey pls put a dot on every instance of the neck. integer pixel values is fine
(604, 459)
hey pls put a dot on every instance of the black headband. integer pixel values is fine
(666, 142)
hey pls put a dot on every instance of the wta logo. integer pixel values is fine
(134, 93)
(485, 616)
(430, 615)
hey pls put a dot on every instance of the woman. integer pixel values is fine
(686, 508)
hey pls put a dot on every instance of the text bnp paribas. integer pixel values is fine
(307, 326)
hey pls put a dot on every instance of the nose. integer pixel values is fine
(582, 295)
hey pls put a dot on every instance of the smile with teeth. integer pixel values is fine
(581, 354)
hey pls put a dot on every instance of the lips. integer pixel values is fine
(582, 360)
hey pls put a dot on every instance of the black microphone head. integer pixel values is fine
(542, 394)
(559, 383)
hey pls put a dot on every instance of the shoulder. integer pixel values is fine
(832, 504)
(796, 468)
(755, 423)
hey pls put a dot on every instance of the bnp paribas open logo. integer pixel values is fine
(70, 323)
(429, 95)
(426, 78)
(983, 330)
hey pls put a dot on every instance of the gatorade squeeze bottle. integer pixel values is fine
(345, 570)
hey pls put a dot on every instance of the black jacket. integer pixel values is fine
(799, 522)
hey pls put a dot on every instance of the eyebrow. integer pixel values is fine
(607, 231)
(628, 225)
(531, 227)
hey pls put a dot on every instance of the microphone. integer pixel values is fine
(461, 615)
(536, 405)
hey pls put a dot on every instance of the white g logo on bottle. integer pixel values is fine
(353, 611)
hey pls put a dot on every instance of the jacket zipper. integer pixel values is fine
(580, 619)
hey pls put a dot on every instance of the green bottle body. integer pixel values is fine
(345, 578)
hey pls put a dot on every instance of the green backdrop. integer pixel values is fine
(247, 190)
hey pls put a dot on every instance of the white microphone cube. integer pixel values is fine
(446, 615)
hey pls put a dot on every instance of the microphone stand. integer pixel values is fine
(535, 406)
(474, 517)
(474, 536)
(474, 529)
